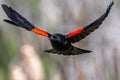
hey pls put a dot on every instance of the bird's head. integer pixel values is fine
(57, 38)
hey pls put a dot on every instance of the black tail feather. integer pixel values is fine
(16, 18)
(74, 51)
(79, 51)
(51, 51)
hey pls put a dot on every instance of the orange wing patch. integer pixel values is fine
(75, 32)
(40, 32)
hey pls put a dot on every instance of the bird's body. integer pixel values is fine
(62, 44)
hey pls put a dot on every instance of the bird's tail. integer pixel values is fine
(16, 18)
(77, 51)
(73, 51)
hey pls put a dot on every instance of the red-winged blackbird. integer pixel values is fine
(62, 44)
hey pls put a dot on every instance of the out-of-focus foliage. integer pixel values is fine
(22, 54)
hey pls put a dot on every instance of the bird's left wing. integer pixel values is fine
(19, 21)
(81, 33)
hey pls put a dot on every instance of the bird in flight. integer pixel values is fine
(62, 44)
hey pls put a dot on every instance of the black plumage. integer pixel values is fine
(62, 44)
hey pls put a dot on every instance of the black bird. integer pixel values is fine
(62, 44)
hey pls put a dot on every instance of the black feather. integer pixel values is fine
(74, 51)
(91, 27)
(10, 22)
(16, 18)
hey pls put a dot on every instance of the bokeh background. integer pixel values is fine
(22, 54)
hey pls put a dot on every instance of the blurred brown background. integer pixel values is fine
(22, 54)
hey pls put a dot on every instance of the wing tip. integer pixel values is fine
(4, 6)
(10, 22)
(112, 2)
(110, 5)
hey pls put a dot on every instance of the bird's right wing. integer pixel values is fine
(81, 33)
(19, 21)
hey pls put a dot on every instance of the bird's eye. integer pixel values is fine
(54, 37)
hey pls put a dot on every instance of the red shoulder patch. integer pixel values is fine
(75, 32)
(40, 32)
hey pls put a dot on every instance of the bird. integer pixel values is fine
(61, 44)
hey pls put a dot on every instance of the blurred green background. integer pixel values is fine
(22, 54)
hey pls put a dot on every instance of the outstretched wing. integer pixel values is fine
(19, 21)
(81, 33)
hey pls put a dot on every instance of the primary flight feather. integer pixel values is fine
(62, 44)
